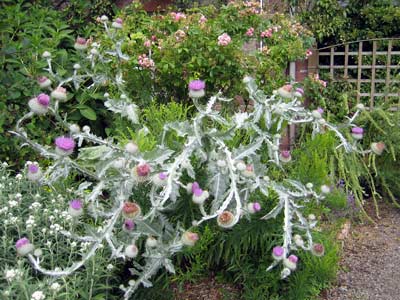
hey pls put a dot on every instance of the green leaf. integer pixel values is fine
(87, 112)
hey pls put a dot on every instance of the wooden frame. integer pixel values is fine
(351, 56)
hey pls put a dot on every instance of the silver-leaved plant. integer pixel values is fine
(134, 229)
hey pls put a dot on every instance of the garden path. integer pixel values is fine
(369, 268)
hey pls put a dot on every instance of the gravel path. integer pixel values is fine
(370, 265)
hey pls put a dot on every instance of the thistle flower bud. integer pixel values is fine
(298, 240)
(357, 133)
(312, 217)
(24, 246)
(119, 163)
(318, 250)
(94, 51)
(278, 253)
(34, 173)
(151, 242)
(240, 165)
(299, 92)
(226, 219)
(248, 171)
(40, 104)
(64, 146)
(128, 225)
(86, 129)
(285, 156)
(77, 66)
(74, 128)
(59, 94)
(75, 208)
(117, 24)
(291, 262)
(316, 114)
(140, 173)
(38, 252)
(131, 210)
(309, 185)
(199, 196)
(80, 44)
(360, 106)
(160, 179)
(286, 91)
(189, 238)
(253, 207)
(325, 189)
(104, 18)
(196, 88)
(44, 82)
(131, 251)
(46, 54)
(191, 187)
(378, 148)
(131, 148)
(285, 273)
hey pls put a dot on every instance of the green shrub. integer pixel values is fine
(332, 23)
(187, 49)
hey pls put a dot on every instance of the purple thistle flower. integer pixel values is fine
(197, 85)
(278, 251)
(22, 242)
(162, 176)
(75, 208)
(198, 192)
(33, 168)
(318, 250)
(43, 99)
(293, 258)
(285, 153)
(76, 204)
(42, 79)
(320, 110)
(357, 130)
(195, 186)
(300, 90)
(143, 169)
(256, 206)
(65, 143)
(129, 225)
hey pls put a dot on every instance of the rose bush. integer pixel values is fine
(210, 44)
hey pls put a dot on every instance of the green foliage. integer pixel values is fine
(24, 38)
(187, 49)
(336, 99)
(314, 273)
(327, 20)
(332, 23)
(380, 126)
(312, 160)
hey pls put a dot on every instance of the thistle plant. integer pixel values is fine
(138, 229)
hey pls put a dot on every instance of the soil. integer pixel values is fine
(369, 267)
(207, 289)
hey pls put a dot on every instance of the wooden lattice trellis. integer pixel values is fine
(373, 65)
